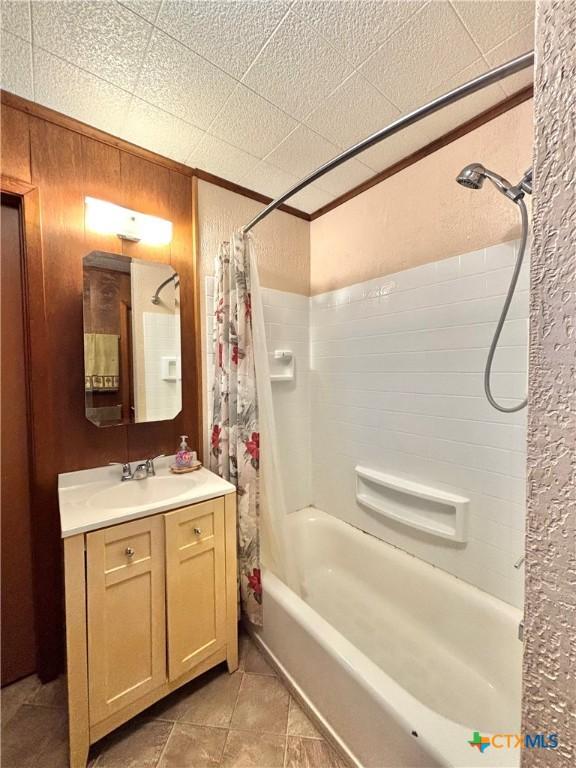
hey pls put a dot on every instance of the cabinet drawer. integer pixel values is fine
(126, 614)
(125, 552)
(195, 530)
(195, 584)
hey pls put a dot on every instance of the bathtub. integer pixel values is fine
(400, 661)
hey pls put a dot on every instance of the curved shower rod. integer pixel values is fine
(156, 298)
(477, 84)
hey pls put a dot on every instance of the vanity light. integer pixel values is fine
(110, 219)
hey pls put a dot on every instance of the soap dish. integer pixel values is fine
(183, 470)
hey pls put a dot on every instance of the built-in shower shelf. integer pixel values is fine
(282, 365)
(428, 509)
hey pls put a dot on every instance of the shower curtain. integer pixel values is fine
(242, 413)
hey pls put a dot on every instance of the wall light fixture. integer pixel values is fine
(110, 219)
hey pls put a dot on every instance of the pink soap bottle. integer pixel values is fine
(184, 456)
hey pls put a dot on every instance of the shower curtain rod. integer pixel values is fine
(482, 81)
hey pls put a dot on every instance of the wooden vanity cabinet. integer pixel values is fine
(150, 605)
(126, 609)
(196, 585)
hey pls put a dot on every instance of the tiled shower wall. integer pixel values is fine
(389, 375)
(396, 385)
(161, 339)
(286, 316)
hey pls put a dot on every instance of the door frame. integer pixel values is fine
(44, 508)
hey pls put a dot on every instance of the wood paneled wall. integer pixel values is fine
(65, 166)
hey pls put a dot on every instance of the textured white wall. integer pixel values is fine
(549, 698)
(396, 376)
(281, 241)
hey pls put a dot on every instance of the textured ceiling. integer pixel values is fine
(262, 92)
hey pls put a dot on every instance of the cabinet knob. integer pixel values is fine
(130, 551)
(197, 531)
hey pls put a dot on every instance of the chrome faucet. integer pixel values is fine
(141, 472)
(126, 469)
(150, 469)
(518, 564)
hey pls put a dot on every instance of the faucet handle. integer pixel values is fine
(150, 464)
(126, 469)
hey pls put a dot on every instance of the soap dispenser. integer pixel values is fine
(184, 455)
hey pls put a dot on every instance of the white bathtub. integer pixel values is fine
(400, 660)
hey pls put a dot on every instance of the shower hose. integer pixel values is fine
(494, 345)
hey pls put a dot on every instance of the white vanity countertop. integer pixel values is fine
(96, 498)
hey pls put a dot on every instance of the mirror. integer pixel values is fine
(132, 357)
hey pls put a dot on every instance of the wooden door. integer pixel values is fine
(126, 614)
(18, 635)
(195, 584)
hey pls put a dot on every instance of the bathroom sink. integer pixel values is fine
(96, 498)
(133, 493)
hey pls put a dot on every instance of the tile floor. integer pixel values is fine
(244, 720)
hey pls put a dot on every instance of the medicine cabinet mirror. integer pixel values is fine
(132, 353)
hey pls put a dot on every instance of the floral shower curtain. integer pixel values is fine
(235, 435)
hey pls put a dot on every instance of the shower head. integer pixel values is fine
(472, 176)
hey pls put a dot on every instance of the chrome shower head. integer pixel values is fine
(472, 176)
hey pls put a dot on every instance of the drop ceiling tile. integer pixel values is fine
(306, 69)
(148, 9)
(269, 180)
(491, 22)
(356, 27)
(302, 152)
(252, 123)
(310, 199)
(179, 81)
(431, 48)
(150, 127)
(297, 68)
(521, 42)
(15, 17)
(16, 66)
(352, 112)
(68, 89)
(345, 177)
(221, 159)
(230, 34)
(103, 37)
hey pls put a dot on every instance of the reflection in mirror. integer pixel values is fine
(132, 369)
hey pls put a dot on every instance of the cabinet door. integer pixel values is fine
(126, 614)
(195, 584)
